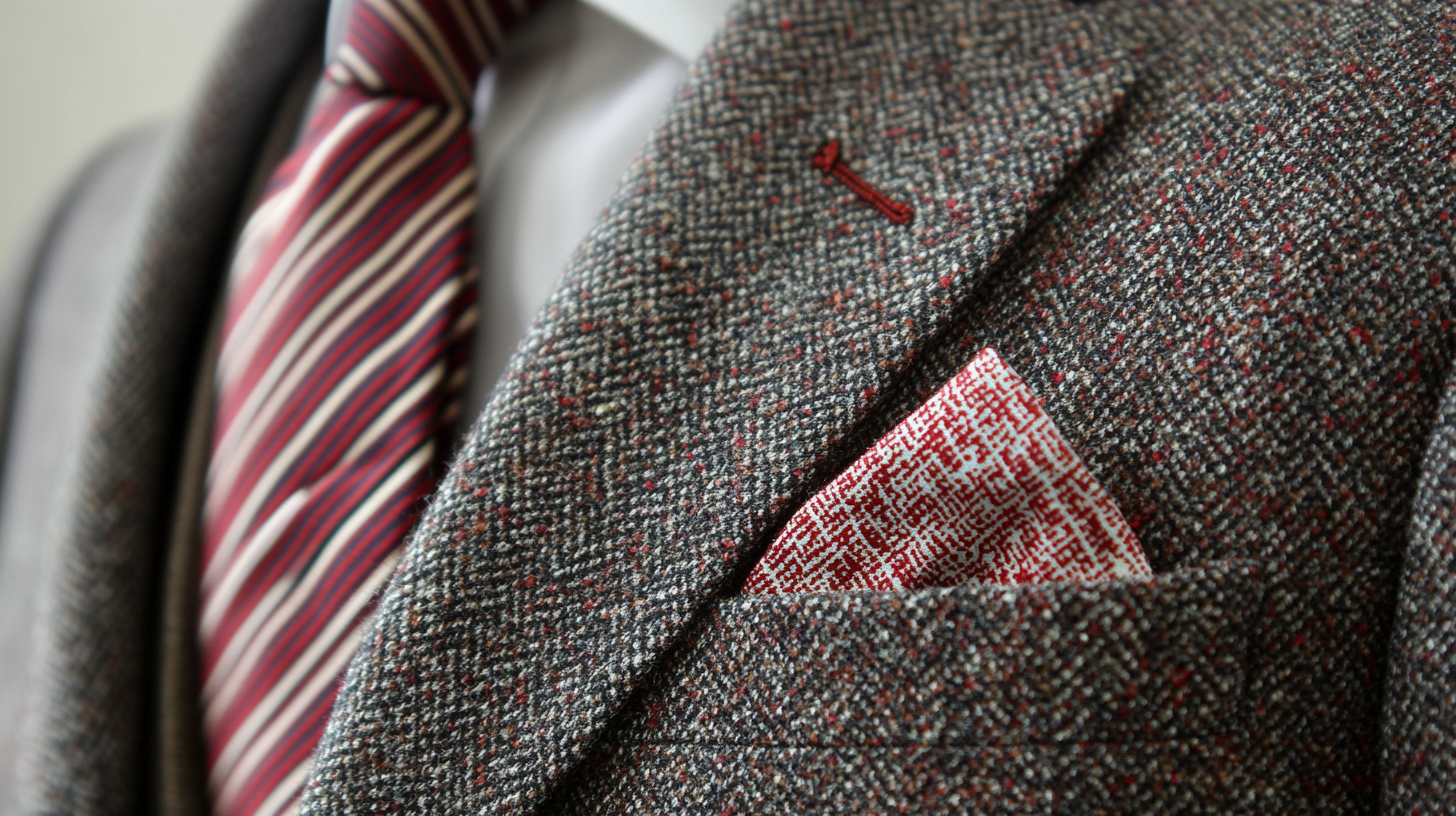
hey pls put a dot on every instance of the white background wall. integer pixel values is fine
(75, 72)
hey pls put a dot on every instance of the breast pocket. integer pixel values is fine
(1118, 694)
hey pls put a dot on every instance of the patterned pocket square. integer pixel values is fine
(976, 486)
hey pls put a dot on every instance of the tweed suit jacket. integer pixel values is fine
(104, 645)
(1215, 237)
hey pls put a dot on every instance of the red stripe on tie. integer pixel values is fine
(333, 384)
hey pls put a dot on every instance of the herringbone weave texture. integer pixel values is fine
(1214, 236)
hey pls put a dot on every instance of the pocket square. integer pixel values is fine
(975, 486)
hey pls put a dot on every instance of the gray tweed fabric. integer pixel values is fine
(1420, 705)
(1214, 236)
(75, 287)
(85, 746)
(1134, 697)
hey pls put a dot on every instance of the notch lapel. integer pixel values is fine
(701, 370)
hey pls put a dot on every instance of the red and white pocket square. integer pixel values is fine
(976, 486)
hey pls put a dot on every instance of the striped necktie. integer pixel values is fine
(348, 319)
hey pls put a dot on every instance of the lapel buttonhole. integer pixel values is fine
(828, 159)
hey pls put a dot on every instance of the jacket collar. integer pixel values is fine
(702, 370)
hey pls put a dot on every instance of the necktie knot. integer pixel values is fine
(426, 49)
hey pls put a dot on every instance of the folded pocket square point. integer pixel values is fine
(975, 486)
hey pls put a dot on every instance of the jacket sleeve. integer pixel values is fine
(1419, 730)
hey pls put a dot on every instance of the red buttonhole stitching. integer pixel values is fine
(827, 159)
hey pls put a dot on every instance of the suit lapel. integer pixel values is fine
(702, 369)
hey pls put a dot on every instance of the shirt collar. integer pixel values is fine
(683, 27)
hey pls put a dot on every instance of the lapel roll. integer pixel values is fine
(701, 370)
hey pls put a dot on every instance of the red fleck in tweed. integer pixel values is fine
(976, 486)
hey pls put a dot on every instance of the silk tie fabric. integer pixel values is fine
(975, 486)
(348, 319)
